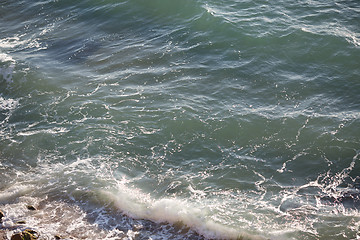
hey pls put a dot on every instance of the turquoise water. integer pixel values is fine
(186, 119)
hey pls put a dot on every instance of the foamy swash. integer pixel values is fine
(54, 218)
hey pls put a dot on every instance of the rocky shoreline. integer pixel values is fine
(18, 233)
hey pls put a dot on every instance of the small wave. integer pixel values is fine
(174, 211)
(339, 31)
(73, 219)
(47, 131)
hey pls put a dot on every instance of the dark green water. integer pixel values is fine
(186, 119)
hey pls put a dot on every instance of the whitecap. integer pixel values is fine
(8, 104)
(138, 205)
(6, 58)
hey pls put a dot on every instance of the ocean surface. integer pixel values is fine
(189, 119)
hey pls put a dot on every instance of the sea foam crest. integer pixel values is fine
(171, 210)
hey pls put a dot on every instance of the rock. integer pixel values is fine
(21, 222)
(3, 235)
(1, 215)
(27, 234)
(57, 237)
(17, 236)
(30, 207)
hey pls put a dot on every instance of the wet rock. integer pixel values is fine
(17, 236)
(30, 234)
(30, 207)
(27, 234)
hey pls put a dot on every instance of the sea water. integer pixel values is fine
(190, 119)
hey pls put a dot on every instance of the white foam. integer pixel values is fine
(336, 30)
(8, 104)
(54, 218)
(52, 131)
(13, 192)
(171, 210)
(6, 58)
(18, 40)
(10, 42)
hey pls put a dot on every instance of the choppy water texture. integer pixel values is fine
(159, 119)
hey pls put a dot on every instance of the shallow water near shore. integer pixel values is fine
(181, 120)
